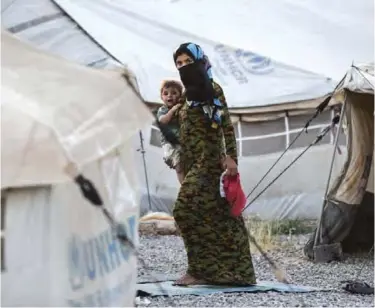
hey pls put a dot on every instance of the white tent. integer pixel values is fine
(275, 61)
(279, 46)
(57, 249)
(348, 211)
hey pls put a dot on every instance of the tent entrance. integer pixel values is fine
(348, 213)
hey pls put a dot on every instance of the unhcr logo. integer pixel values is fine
(96, 257)
(253, 63)
(239, 63)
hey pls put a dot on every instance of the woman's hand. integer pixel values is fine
(230, 165)
(176, 107)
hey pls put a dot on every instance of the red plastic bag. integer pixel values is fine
(231, 189)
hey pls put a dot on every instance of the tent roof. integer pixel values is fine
(318, 36)
(256, 63)
(55, 112)
(46, 26)
(359, 79)
(262, 68)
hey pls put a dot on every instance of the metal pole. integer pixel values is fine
(142, 150)
(331, 168)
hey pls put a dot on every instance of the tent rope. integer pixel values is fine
(356, 286)
(365, 263)
(319, 109)
(318, 138)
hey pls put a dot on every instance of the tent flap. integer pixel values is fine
(348, 209)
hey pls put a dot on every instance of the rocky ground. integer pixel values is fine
(165, 254)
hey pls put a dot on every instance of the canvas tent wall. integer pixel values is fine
(269, 93)
(57, 249)
(348, 212)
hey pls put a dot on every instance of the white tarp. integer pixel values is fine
(283, 49)
(59, 250)
(148, 42)
(319, 36)
(54, 111)
(280, 52)
(46, 26)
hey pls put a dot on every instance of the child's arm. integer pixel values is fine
(166, 118)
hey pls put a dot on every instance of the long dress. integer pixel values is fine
(217, 244)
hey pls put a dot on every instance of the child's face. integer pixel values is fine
(170, 96)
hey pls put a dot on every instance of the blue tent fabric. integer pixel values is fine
(166, 288)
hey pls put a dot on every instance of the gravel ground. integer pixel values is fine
(165, 254)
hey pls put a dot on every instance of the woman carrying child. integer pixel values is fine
(171, 94)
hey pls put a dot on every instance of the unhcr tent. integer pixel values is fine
(270, 57)
(347, 220)
(57, 249)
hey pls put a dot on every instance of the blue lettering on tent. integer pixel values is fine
(225, 57)
(96, 257)
(112, 296)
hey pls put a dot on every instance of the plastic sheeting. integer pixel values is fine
(55, 108)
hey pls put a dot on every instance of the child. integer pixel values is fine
(171, 94)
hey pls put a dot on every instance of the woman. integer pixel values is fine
(217, 244)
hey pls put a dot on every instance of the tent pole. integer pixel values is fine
(142, 150)
(331, 168)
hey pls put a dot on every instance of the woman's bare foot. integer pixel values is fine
(188, 280)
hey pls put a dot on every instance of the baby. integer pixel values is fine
(171, 94)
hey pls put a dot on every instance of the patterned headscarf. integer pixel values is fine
(196, 53)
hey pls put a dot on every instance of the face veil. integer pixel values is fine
(195, 77)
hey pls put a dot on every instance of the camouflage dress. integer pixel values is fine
(217, 244)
